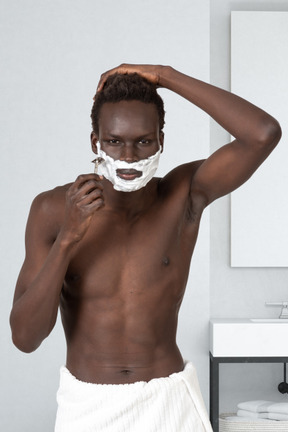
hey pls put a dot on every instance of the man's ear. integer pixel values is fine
(161, 138)
(94, 139)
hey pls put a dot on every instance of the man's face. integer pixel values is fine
(129, 130)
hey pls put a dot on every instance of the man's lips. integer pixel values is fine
(128, 174)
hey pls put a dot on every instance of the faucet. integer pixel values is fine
(284, 310)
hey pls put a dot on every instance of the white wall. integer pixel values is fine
(239, 292)
(259, 235)
(52, 56)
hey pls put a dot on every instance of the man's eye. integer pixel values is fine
(144, 141)
(114, 142)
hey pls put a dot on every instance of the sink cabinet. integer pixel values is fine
(243, 341)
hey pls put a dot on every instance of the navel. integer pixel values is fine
(126, 372)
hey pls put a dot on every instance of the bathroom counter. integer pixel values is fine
(248, 338)
(243, 341)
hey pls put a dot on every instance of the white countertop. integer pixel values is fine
(231, 337)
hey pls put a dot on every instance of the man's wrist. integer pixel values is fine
(66, 241)
(165, 76)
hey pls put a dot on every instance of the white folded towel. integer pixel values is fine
(281, 407)
(251, 415)
(277, 416)
(256, 406)
(260, 409)
(246, 419)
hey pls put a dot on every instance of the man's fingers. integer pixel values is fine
(89, 195)
(87, 190)
(150, 72)
(90, 185)
(86, 178)
(104, 77)
(92, 201)
(122, 69)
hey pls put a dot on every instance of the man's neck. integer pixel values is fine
(131, 203)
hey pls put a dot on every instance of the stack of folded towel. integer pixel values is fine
(261, 409)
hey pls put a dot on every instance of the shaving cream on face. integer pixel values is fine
(108, 168)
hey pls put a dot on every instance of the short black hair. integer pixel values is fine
(128, 87)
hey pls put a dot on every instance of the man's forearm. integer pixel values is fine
(243, 120)
(34, 313)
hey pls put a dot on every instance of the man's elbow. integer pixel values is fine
(270, 134)
(23, 345)
(21, 340)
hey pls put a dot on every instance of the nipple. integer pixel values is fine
(165, 261)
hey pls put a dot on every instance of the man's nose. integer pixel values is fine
(128, 153)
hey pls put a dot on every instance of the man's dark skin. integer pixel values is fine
(118, 262)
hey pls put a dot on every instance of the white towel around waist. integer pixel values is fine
(171, 404)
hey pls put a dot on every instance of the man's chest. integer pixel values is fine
(143, 251)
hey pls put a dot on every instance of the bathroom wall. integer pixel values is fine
(259, 236)
(53, 54)
(239, 292)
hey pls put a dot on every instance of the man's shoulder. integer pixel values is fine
(181, 175)
(50, 201)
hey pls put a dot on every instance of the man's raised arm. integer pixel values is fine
(256, 132)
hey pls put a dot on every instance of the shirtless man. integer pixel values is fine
(117, 262)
